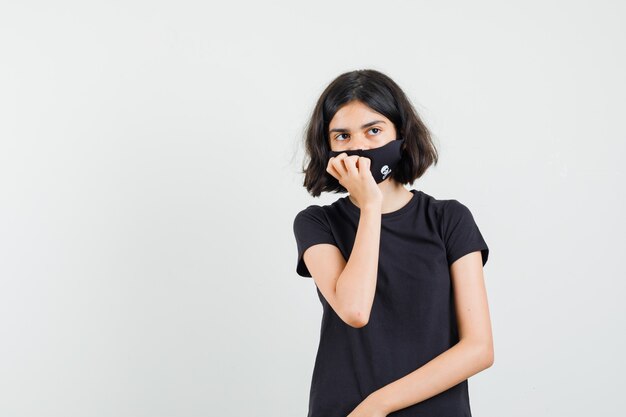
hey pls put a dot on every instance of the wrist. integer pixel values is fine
(372, 208)
(377, 400)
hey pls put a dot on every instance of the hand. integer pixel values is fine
(353, 173)
(368, 408)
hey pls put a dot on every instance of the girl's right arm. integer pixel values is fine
(349, 287)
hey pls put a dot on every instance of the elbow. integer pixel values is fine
(357, 319)
(354, 317)
(479, 354)
(352, 312)
(486, 355)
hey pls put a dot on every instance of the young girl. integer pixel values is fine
(399, 273)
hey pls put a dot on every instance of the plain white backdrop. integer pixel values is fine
(149, 176)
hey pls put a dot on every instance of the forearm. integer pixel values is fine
(441, 373)
(356, 286)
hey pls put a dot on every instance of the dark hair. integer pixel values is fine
(383, 95)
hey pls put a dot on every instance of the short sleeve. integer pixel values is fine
(310, 227)
(460, 232)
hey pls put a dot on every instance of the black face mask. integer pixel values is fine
(384, 159)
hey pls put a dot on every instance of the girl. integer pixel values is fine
(399, 273)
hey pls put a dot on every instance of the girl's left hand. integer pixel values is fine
(367, 408)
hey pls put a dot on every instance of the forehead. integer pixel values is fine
(354, 114)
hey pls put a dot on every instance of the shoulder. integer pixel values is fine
(442, 207)
(453, 208)
(312, 211)
(441, 204)
(311, 217)
(447, 212)
(324, 213)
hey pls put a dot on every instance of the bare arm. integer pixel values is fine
(356, 285)
(349, 287)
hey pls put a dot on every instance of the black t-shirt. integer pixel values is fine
(412, 319)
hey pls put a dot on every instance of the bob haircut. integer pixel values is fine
(384, 96)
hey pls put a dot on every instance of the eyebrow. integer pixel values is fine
(339, 129)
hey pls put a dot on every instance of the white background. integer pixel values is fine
(149, 176)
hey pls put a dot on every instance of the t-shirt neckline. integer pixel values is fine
(355, 209)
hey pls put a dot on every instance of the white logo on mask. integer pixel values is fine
(385, 171)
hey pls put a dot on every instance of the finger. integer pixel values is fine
(364, 165)
(337, 163)
(350, 164)
(332, 171)
(331, 168)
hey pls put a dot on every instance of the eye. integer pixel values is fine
(375, 128)
(340, 135)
